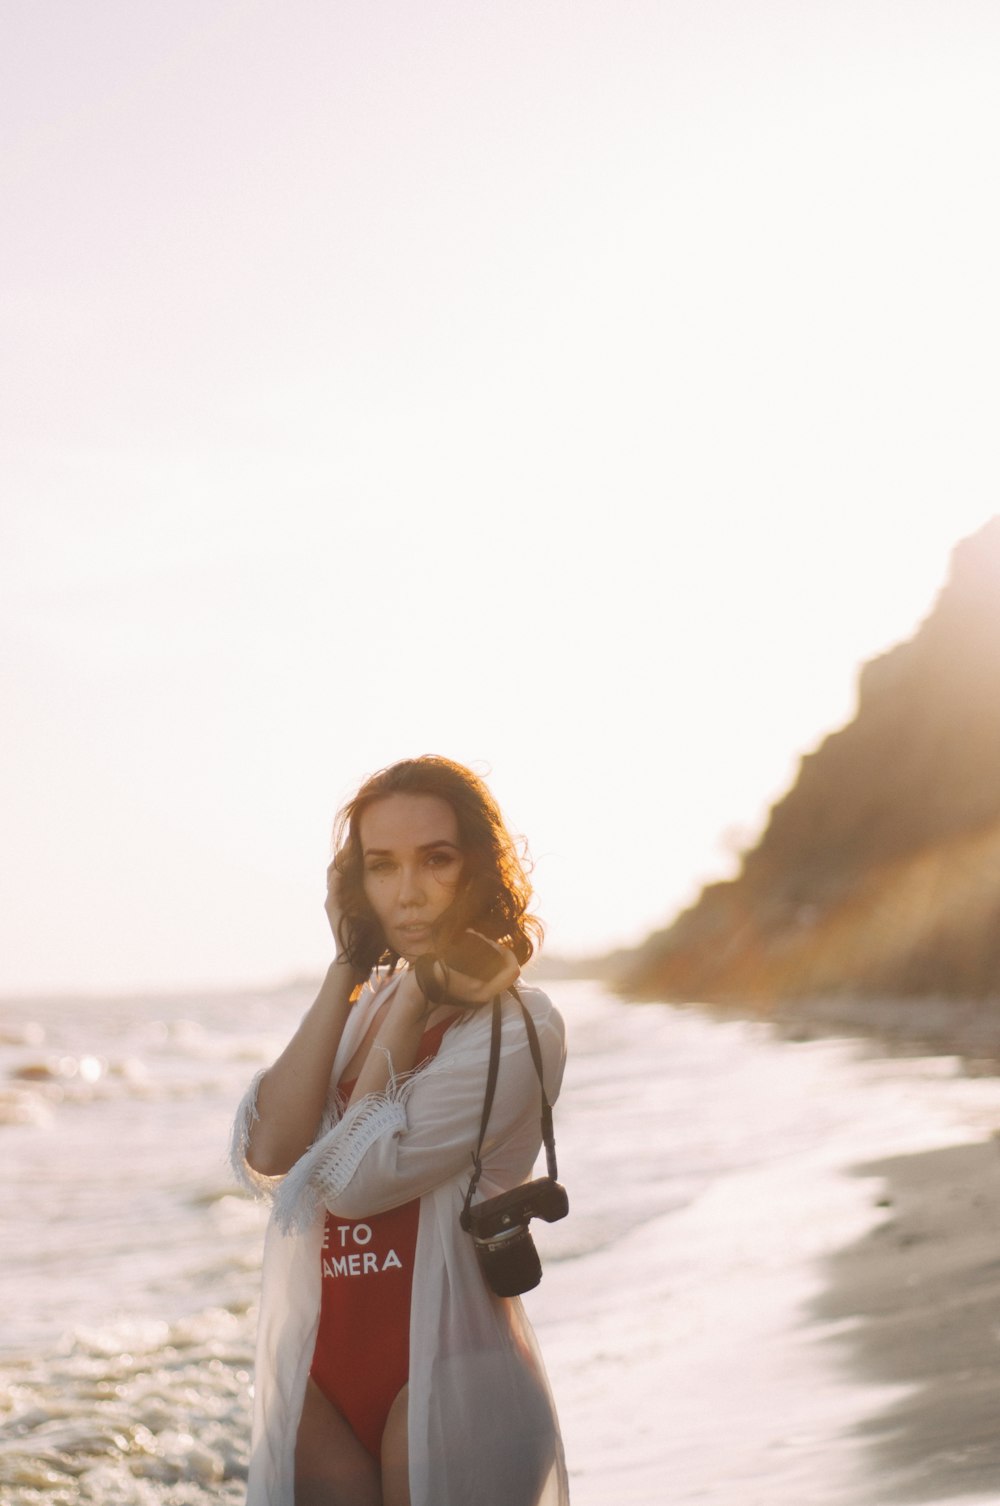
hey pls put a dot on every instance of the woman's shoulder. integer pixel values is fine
(541, 1008)
(467, 1042)
(550, 1031)
(472, 1032)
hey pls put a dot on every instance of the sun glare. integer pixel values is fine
(594, 441)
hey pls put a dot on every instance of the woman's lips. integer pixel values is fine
(415, 932)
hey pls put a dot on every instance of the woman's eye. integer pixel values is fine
(382, 866)
(441, 859)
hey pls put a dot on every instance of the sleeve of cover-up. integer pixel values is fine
(398, 1145)
(247, 1115)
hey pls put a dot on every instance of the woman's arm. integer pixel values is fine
(398, 1143)
(291, 1095)
(394, 1051)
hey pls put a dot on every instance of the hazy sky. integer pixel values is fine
(578, 389)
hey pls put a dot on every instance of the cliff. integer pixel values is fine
(879, 872)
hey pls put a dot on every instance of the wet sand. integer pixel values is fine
(968, 1028)
(917, 1304)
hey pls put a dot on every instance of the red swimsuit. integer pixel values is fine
(362, 1355)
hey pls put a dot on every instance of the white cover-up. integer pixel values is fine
(482, 1424)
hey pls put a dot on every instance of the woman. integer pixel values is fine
(388, 1373)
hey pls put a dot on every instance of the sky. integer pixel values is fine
(581, 390)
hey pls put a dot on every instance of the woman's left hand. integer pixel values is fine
(464, 988)
(410, 1008)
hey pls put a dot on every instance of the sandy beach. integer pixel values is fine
(968, 1028)
(915, 1302)
(778, 1283)
(919, 1301)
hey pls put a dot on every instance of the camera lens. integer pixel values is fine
(510, 1261)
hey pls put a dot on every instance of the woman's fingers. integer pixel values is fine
(481, 990)
(333, 904)
(444, 982)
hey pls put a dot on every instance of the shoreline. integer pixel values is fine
(916, 1300)
(965, 1028)
(969, 1028)
(915, 1303)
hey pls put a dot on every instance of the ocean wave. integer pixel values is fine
(22, 1107)
(38, 1085)
(133, 1414)
(26, 1033)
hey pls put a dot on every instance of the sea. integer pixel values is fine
(711, 1168)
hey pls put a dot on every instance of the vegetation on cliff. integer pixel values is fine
(879, 872)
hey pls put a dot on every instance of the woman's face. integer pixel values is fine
(412, 865)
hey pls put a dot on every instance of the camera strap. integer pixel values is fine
(548, 1134)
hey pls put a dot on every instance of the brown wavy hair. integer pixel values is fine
(494, 891)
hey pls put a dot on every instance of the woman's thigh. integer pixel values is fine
(332, 1468)
(396, 1453)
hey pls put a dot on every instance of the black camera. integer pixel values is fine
(499, 1228)
(468, 954)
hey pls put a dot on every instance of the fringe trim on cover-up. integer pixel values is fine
(247, 1116)
(328, 1166)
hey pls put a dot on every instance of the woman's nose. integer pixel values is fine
(411, 889)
